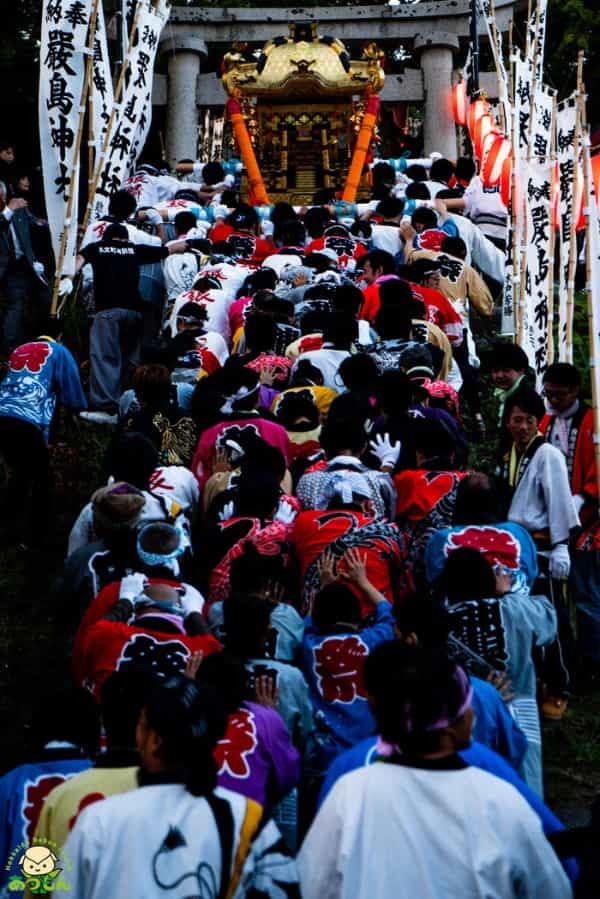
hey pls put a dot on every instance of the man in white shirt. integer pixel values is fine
(422, 823)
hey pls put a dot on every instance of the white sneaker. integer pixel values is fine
(100, 418)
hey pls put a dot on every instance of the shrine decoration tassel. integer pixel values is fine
(258, 190)
(361, 149)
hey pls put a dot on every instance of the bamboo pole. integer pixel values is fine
(573, 226)
(591, 220)
(74, 182)
(100, 159)
(494, 30)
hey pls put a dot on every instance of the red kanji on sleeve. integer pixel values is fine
(239, 742)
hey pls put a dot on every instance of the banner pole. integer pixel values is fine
(74, 182)
(573, 224)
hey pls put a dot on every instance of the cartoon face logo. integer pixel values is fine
(37, 861)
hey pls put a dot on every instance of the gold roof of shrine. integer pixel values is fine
(302, 64)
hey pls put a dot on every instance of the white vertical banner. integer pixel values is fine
(592, 218)
(216, 147)
(127, 11)
(131, 122)
(101, 88)
(63, 54)
(523, 103)
(536, 37)
(541, 125)
(567, 173)
(538, 265)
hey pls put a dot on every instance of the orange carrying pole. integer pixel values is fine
(258, 191)
(361, 149)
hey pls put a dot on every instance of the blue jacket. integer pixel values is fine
(40, 374)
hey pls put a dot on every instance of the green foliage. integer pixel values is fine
(574, 25)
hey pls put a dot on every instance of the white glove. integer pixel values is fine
(560, 562)
(38, 268)
(192, 600)
(153, 217)
(267, 228)
(65, 287)
(132, 585)
(227, 512)
(579, 502)
(197, 168)
(285, 512)
(387, 453)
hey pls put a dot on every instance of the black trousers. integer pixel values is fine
(26, 500)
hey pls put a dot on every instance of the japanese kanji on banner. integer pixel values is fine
(567, 172)
(130, 125)
(538, 266)
(64, 37)
(592, 216)
(101, 87)
(536, 37)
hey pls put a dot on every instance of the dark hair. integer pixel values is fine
(262, 279)
(476, 501)
(339, 434)
(394, 392)
(416, 173)
(441, 170)
(190, 721)
(184, 222)
(380, 259)
(159, 537)
(425, 617)
(306, 372)
(416, 190)
(396, 312)
(383, 173)
(226, 675)
(467, 575)
(115, 232)
(70, 714)
(6, 144)
(132, 458)
(294, 406)
(122, 205)
(315, 221)
(410, 688)
(260, 331)
(526, 399)
(562, 373)
(290, 233)
(122, 698)
(425, 216)
(263, 456)
(454, 246)
(193, 310)
(323, 196)
(252, 571)
(333, 604)
(359, 373)
(212, 173)
(244, 217)
(465, 168)
(152, 385)
(341, 329)
(282, 212)
(432, 439)
(347, 298)
(390, 208)
(258, 496)
(506, 355)
(318, 261)
(246, 623)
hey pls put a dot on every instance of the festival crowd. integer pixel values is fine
(312, 637)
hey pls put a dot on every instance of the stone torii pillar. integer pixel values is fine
(183, 68)
(439, 130)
